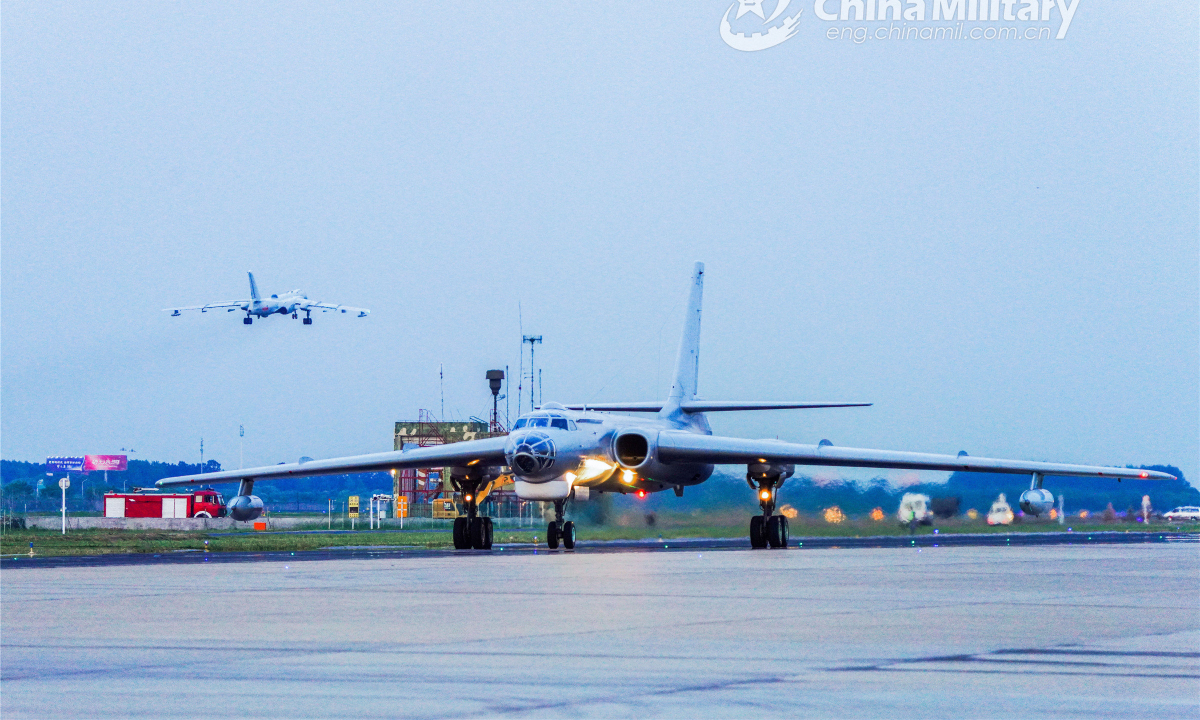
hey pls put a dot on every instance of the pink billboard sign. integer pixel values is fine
(105, 462)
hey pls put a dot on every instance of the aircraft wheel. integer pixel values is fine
(777, 531)
(460, 534)
(202, 514)
(552, 536)
(487, 533)
(247, 321)
(294, 316)
(758, 536)
(475, 532)
(568, 535)
(308, 321)
(784, 533)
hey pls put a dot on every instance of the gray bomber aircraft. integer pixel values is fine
(291, 303)
(559, 452)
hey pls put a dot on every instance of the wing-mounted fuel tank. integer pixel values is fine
(1037, 500)
(246, 506)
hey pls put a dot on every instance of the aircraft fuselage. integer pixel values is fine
(553, 450)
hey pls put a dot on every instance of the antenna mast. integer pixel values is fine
(532, 340)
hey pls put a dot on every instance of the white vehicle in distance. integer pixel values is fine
(1187, 512)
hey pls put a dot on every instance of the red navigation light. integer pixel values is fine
(641, 494)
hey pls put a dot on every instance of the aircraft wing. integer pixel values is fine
(488, 452)
(327, 307)
(210, 306)
(691, 447)
(699, 406)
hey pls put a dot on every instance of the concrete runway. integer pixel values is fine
(1008, 632)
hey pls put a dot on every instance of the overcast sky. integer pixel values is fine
(994, 242)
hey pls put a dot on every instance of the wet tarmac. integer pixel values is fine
(706, 629)
(342, 551)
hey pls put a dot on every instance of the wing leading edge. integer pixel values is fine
(700, 406)
(489, 451)
(690, 447)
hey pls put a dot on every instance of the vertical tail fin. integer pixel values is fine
(687, 364)
(253, 288)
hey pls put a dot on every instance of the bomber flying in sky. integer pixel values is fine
(290, 303)
(558, 452)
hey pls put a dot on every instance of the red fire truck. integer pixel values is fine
(206, 503)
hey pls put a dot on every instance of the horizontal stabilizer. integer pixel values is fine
(698, 406)
(694, 406)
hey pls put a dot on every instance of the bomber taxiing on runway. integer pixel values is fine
(291, 303)
(559, 452)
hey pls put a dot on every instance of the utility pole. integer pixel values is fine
(532, 340)
(442, 387)
(201, 456)
(241, 455)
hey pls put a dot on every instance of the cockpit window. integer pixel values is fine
(546, 421)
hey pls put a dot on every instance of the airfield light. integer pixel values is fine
(627, 477)
(877, 514)
(834, 515)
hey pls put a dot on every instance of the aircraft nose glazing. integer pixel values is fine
(530, 453)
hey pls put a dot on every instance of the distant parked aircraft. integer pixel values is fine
(291, 303)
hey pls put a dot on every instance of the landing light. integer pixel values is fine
(627, 477)
(467, 498)
(570, 477)
(765, 494)
(593, 468)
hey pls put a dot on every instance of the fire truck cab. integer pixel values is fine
(202, 503)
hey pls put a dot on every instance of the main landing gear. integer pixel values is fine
(247, 320)
(558, 530)
(471, 532)
(307, 317)
(768, 529)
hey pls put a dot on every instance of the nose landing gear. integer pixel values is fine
(558, 530)
(768, 529)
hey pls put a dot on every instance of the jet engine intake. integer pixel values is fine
(1037, 501)
(244, 508)
(634, 449)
